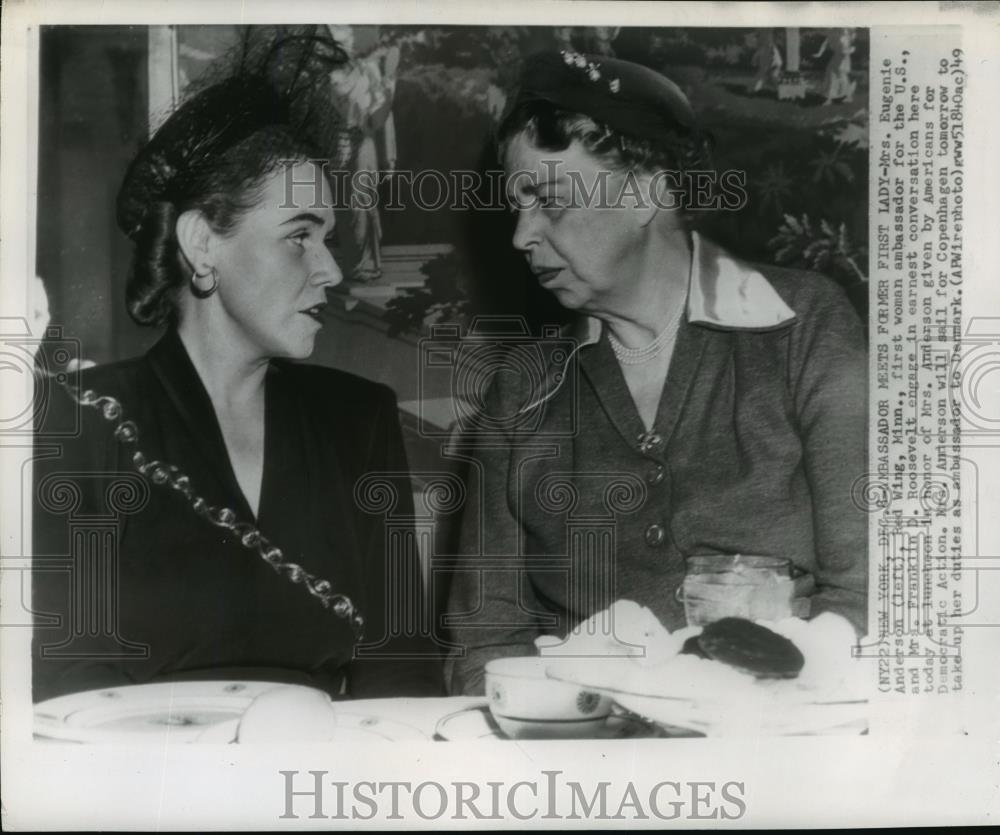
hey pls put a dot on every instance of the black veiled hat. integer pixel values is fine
(627, 97)
(261, 89)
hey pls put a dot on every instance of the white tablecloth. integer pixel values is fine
(422, 714)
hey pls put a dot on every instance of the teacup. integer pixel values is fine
(528, 705)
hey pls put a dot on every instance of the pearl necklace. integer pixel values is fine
(640, 356)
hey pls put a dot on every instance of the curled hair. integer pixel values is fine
(215, 152)
(151, 279)
(223, 190)
(551, 128)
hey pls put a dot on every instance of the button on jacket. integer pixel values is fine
(759, 437)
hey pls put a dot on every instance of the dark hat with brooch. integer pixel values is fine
(627, 97)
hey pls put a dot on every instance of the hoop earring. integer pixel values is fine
(198, 292)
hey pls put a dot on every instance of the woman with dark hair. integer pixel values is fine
(707, 406)
(207, 499)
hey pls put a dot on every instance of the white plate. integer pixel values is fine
(751, 720)
(748, 707)
(365, 727)
(351, 727)
(477, 723)
(205, 712)
(166, 712)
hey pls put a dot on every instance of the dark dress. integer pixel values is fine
(179, 598)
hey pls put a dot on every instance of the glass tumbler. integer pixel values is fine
(717, 586)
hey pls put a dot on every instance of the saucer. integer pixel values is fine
(478, 723)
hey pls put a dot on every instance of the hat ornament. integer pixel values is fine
(593, 69)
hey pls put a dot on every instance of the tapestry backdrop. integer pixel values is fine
(787, 107)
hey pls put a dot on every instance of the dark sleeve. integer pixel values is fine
(830, 387)
(74, 645)
(490, 602)
(399, 656)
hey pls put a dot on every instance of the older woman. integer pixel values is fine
(236, 547)
(708, 406)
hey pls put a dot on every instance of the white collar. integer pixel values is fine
(724, 293)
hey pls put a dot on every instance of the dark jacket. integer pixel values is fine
(760, 435)
(130, 585)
